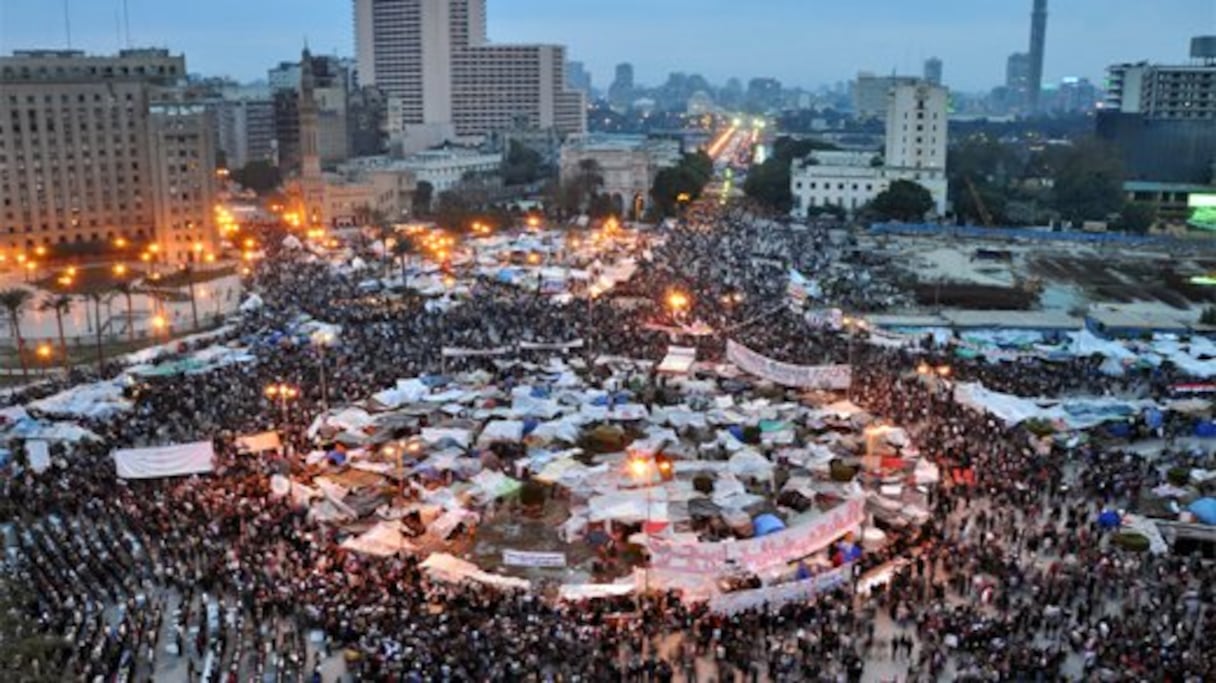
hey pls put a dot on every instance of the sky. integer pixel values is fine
(801, 42)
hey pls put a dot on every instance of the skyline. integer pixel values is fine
(973, 41)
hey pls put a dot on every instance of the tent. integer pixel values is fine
(1109, 519)
(1204, 510)
(766, 524)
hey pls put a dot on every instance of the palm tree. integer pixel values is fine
(60, 304)
(188, 271)
(126, 288)
(402, 249)
(14, 301)
(98, 296)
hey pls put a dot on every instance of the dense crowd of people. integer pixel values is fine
(1011, 579)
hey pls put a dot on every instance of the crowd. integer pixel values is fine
(1010, 580)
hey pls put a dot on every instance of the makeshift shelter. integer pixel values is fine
(1204, 510)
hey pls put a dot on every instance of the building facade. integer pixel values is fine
(871, 93)
(628, 165)
(933, 70)
(432, 57)
(915, 150)
(245, 130)
(85, 157)
(1162, 117)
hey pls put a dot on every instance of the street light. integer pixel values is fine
(44, 354)
(679, 303)
(282, 392)
(322, 339)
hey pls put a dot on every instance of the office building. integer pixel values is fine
(578, 78)
(245, 130)
(93, 148)
(620, 93)
(763, 94)
(443, 169)
(915, 150)
(1162, 116)
(871, 94)
(433, 60)
(933, 70)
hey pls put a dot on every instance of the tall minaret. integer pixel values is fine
(312, 183)
(1038, 45)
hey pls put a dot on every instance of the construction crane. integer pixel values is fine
(985, 216)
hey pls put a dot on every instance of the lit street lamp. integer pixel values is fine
(320, 340)
(282, 392)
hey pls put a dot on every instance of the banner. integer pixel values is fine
(830, 318)
(837, 377)
(449, 352)
(557, 346)
(164, 461)
(259, 443)
(679, 360)
(777, 596)
(759, 554)
(520, 558)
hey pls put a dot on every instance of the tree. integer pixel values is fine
(685, 180)
(60, 304)
(97, 296)
(126, 289)
(424, 194)
(14, 302)
(769, 182)
(904, 201)
(260, 176)
(402, 248)
(1088, 182)
(1137, 217)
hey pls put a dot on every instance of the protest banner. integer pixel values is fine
(776, 596)
(834, 377)
(521, 558)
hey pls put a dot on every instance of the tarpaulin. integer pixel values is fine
(834, 377)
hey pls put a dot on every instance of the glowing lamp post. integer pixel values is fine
(282, 393)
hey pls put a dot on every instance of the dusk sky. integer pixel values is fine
(801, 42)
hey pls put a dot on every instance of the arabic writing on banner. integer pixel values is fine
(786, 374)
(777, 596)
(521, 558)
(759, 554)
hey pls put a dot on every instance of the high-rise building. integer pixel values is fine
(871, 94)
(93, 148)
(763, 94)
(1017, 81)
(933, 70)
(578, 78)
(1038, 46)
(433, 59)
(311, 182)
(620, 93)
(1162, 117)
(915, 151)
(245, 130)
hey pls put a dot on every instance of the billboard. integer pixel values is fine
(1202, 206)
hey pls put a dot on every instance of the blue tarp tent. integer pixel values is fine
(336, 457)
(1204, 510)
(1205, 429)
(766, 524)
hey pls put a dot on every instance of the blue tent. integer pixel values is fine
(530, 425)
(336, 457)
(766, 524)
(1109, 519)
(1204, 510)
(1153, 418)
(1205, 429)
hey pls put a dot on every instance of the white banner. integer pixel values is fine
(557, 346)
(759, 554)
(521, 558)
(164, 461)
(836, 377)
(830, 318)
(449, 352)
(259, 443)
(777, 596)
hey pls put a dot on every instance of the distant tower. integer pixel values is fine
(312, 183)
(933, 70)
(1038, 45)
